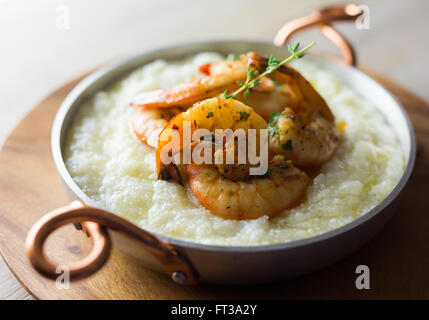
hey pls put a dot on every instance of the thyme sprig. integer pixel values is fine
(273, 64)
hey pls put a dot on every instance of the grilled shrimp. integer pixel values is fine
(148, 123)
(210, 114)
(270, 195)
(305, 131)
(307, 140)
(222, 75)
(229, 191)
(265, 99)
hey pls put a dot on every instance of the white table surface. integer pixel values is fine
(37, 57)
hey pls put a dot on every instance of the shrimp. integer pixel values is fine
(232, 194)
(305, 131)
(265, 98)
(222, 75)
(147, 124)
(308, 141)
(270, 195)
(210, 114)
(302, 97)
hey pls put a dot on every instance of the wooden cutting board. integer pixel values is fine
(398, 257)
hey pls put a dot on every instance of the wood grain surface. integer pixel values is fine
(398, 257)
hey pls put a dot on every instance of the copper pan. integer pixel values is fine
(187, 262)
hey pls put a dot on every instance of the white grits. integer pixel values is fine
(118, 172)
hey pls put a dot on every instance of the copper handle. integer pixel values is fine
(322, 19)
(95, 221)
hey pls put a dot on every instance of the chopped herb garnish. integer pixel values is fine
(273, 64)
(287, 145)
(273, 128)
(210, 114)
(276, 84)
(272, 123)
(282, 165)
(244, 115)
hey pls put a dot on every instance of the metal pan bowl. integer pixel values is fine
(188, 262)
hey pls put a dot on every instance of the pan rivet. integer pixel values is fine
(179, 277)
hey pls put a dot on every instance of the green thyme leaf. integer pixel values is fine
(255, 83)
(287, 145)
(295, 48)
(246, 94)
(273, 64)
(210, 114)
(250, 73)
